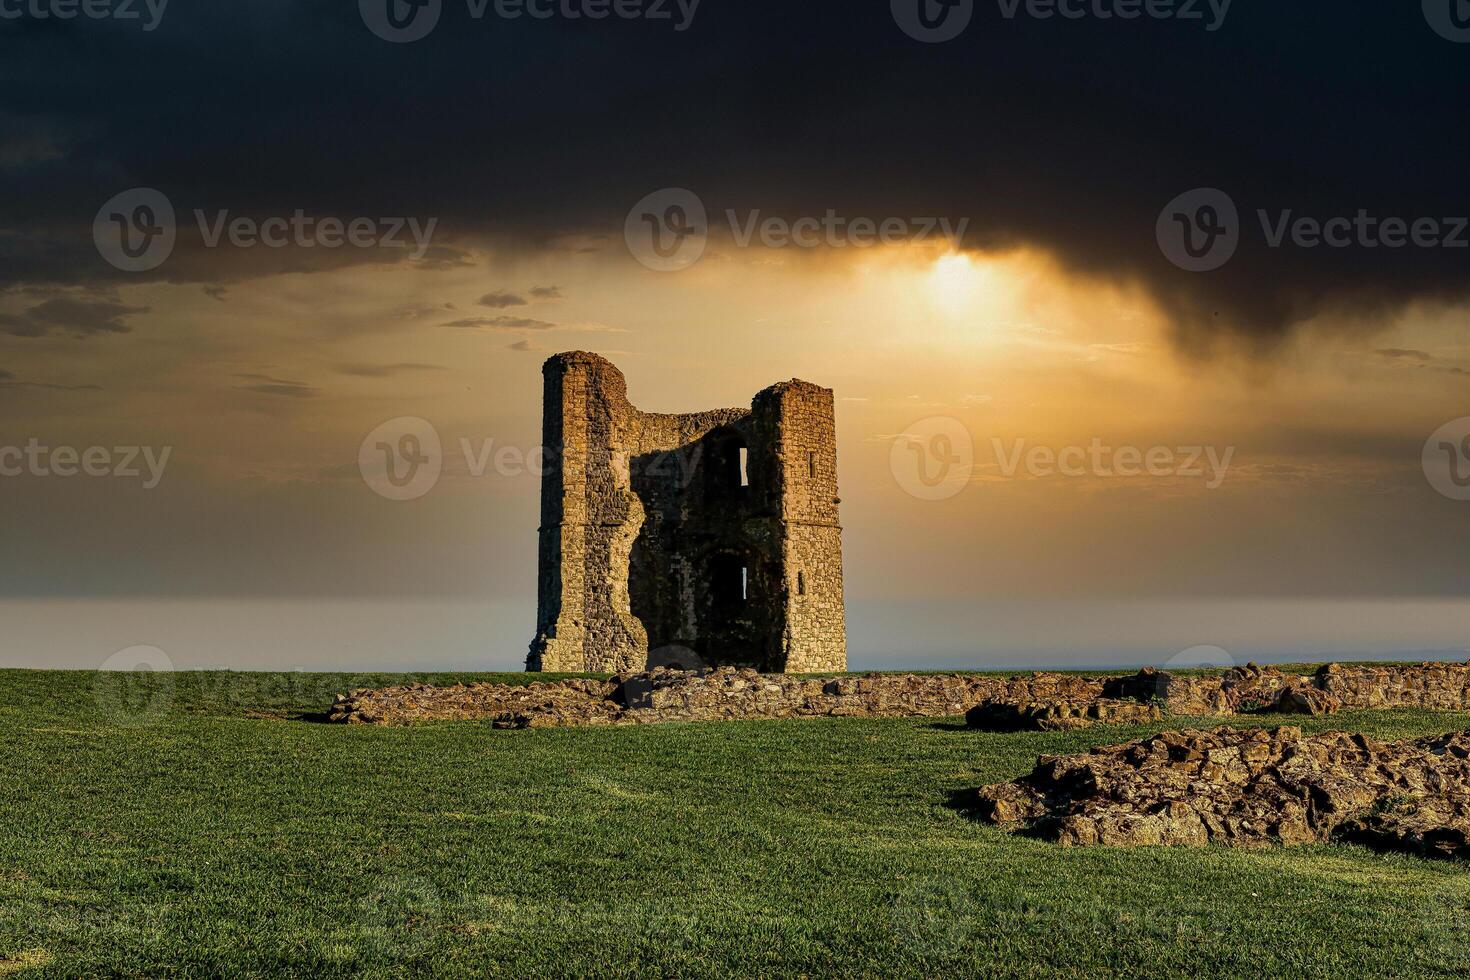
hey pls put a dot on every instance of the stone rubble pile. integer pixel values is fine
(1247, 787)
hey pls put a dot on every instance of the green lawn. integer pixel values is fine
(201, 827)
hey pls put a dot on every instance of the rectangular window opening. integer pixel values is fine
(744, 467)
(811, 465)
(801, 583)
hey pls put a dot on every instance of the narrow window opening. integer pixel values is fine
(729, 583)
(811, 465)
(744, 467)
(801, 583)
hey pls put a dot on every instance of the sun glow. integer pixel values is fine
(955, 283)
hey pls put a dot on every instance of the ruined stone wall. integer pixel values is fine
(1250, 688)
(1441, 686)
(726, 693)
(805, 450)
(667, 572)
(701, 537)
(589, 520)
(722, 693)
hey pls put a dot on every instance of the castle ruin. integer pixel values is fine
(706, 538)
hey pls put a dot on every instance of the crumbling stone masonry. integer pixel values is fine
(1039, 700)
(1252, 787)
(710, 694)
(709, 538)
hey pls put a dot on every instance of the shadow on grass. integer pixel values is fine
(310, 717)
(965, 802)
(316, 717)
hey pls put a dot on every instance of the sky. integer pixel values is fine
(1062, 440)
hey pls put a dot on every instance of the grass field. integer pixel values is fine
(199, 826)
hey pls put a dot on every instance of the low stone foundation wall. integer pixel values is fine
(729, 693)
(721, 693)
(1432, 685)
(1058, 714)
(1243, 690)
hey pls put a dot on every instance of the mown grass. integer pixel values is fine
(191, 825)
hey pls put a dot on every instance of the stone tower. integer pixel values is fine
(711, 537)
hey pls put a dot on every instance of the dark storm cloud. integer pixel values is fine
(26, 141)
(503, 298)
(8, 380)
(421, 312)
(501, 322)
(48, 386)
(81, 317)
(284, 391)
(1066, 134)
(500, 299)
(445, 257)
(1418, 359)
(266, 385)
(385, 370)
(20, 326)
